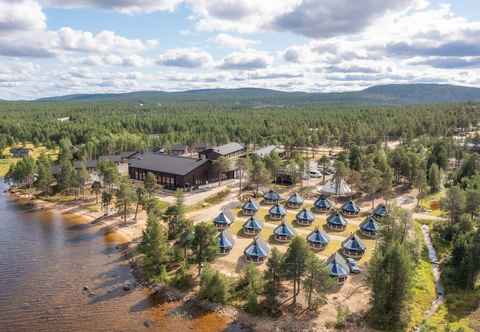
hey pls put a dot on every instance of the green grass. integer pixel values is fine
(60, 198)
(35, 153)
(460, 312)
(92, 208)
(434, 199)
(211, 200)
(423, 291)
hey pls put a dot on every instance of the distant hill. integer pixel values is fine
(393, 94)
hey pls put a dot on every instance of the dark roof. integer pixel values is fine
(19, 150)
(272, 196)
(222, 219)
(267, 150)
(370, 225)
(258, 248)
(250, 205)
(354, 243)
(337, 266)
(178, 147)
(88, 164)
(305, 215)
(228, 148)
(119, 157)
(225, 240)
(277, 209)
(380, 211)
(337, 219)
(318, 236)
(166, 163)
(295, 199)
(253, 223)
(323, 203)
(351, 207)
(284, 229)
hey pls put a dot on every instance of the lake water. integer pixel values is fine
(45, 261)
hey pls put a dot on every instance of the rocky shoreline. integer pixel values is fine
(185, 305)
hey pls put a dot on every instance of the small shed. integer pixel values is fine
(370, 227)
(271, 197)
(322, 204)
(20, 152)
(257, 251)
(380, 211)
(250, 207)
(338, 267)
(353, 247)
(225, 242)
(252, 226)
(284, 232)
(222, 221)
(318, 239)
(277, 212)
(295, 201)
(336, 221)
(350, 209)
(305, 217)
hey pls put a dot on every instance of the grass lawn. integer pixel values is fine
(211, 200)
(432, 202)
(92, 207)
(422, 292)
(59, 198)
(459, 313)
(35, 153)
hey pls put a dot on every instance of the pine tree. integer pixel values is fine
(272, 278)
(125, 196)
(214, 286)
(150, 183)
(204, 244)
(155, 248)
(435, 178)
(44, 174)
(390, 273)
(454, 203)
(293, 263)
(317, 281)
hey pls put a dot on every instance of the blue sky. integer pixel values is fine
(55, 47)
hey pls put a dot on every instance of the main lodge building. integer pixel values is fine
(173, 171)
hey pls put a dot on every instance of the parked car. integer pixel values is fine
(315, 174)
(352, 264)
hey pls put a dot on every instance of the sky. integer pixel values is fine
(59, 47)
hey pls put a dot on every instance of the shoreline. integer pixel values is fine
(126, 245)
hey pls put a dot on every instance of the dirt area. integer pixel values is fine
(354, 294)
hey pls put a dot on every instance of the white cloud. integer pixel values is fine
(102, 42)
(115, 60)
(186, 58)
(124, 6)
(21, 15)
(237, 15)
(327, 18)
(247, 60)
(229, 41)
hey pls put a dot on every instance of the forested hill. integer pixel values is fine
(394, 94)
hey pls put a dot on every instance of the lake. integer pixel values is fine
(46, 260)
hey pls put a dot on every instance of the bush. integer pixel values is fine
(183, 279)
(342, 315)
(213, 287)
